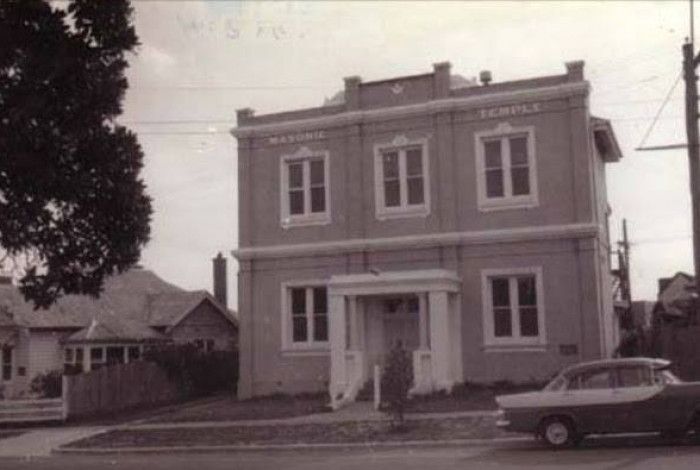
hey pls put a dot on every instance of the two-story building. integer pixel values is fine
(467, 221)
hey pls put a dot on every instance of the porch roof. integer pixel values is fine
(394, 282)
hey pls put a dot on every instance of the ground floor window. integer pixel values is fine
(306, 316)
(134, 353)
(513, 307)
(7, 363)
(73, 360)
(97, 358)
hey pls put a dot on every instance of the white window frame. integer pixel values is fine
(508, 201)
(309, 347)
(304, 154)
(400, 143)
(515, 341)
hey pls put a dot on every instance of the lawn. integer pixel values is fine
(467, 397)
(231, 409)
(336, 433)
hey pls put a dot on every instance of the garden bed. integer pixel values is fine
(231, 409)
(330, 433)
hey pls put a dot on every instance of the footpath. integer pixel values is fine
(356, 426)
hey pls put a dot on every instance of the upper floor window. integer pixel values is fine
(506, 174)
(401, 178)
(304, 188)
(305, 317)
(513, 307)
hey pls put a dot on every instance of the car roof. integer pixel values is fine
(656, 363)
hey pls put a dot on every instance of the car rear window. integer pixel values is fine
(634, 376)
(591, 380)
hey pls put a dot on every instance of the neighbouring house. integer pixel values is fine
(676, 298)
(136, 310)
(467, 221)
(675, 328)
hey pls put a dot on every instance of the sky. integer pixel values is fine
(200, 61)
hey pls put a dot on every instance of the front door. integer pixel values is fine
(400, 316)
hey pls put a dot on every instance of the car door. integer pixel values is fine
(588, 398)
(634, 397)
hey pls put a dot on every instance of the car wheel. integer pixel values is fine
(558, 433)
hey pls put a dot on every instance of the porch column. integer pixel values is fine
(353, 326)
(440, 339)
(336, 336)
(423, 329)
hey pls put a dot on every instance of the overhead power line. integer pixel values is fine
(658, 113)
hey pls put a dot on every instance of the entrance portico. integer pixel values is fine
(369, 313)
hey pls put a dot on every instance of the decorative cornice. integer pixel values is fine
(431, 107)
(514, 235)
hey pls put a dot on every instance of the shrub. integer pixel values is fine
(197, 373)
(396, 381)
(47, 385)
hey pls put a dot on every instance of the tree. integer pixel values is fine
(396, 381)
(73, 208)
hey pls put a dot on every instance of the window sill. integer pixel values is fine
(402, 213)
(308, 351)
(514, 347)
(507, 204)
(306, 220)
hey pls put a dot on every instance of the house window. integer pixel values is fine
(73, 360)
(401, 175)
(97, 358)
(6, 363)
(513, 307)
(506, 176)
(205, 344)
(134, 353)
(305, 195)
(307, 312)
(115, 355)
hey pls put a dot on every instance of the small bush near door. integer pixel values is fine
(47, 385)
(396, 381)
(197, 373)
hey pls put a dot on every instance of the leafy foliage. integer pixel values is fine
(196, 372)
(396, 381)
(47, 385)
(71, 197)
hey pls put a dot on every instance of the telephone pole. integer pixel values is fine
(623, 264)
(690, 63)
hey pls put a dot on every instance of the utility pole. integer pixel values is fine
(623, 264)
(690, 63)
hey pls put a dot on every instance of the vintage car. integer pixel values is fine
(605, 396)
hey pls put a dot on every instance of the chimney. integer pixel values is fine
(352, 92)
(219, 264)
(441, 79)
(574, 70)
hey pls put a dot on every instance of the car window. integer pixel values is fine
(664, 377)
(634, 376)
(556, 385)
(591, 380)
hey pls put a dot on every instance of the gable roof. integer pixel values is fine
(129, 304)
(105, 331)
(168, 310)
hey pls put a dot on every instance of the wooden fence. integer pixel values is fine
(117, 388)
(31, 411)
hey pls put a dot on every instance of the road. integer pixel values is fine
(640, 453)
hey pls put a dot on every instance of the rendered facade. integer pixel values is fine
(466, 221)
